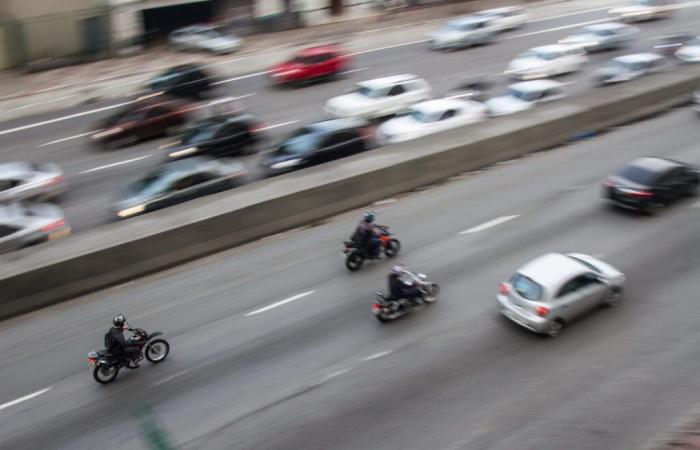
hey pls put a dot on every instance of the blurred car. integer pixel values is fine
(650, 182)
(318, 143)
(525, 95)
(380, 97)
(690, 52)
(204, 37)
(477, 89)
(219, 136)
(431, 116)
(26, 224)
(669, 44)
(311, 64)
(696, 102)
(601, 36)
(552, 290)
(464, 32)
(185, 80)
(141, 120)
(546, 61)
(641, 10)
(177, 182)
(30, 181)
(506, 18)
(629, 67)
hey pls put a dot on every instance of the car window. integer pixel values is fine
(9, 184)
(577, 283)
(552, 92)
(526, 287)
(367, 92)
(528, 96)
(396, 90)
(301, 141)
(230, 130)
(638, 174)
(450, 113)
(604, 32)
(204, 132)
(332, 140)
(152, 183)
(185, 182)
(6, 230)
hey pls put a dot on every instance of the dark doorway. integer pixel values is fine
(159, 22)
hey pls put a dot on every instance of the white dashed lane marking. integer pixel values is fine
(24, 399)
(280, 303)
(489, 224)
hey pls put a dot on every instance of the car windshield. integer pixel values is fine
(603, 32)
(637, 174)
(150, 184)
(209, 34)
(526, 96)
(422, 116)
(694, 42)
(302, 141)
(366, 92)
(305, 60)
(202, 133)
(647, 2)
(164, 79)
(619, 66)
(526, 288)
(127, 114)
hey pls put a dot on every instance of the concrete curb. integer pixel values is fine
(128, 250)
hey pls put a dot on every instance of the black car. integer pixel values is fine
(187, 80)
(650, 182)
(319, 143)
(225, 135)
(176, 182)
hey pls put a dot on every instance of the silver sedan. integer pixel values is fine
(554, 289)
(26, 180)
(23, 225)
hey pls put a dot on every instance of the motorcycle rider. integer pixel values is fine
(367, 235)
(118, 345)
(398, 289)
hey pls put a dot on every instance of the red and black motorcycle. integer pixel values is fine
(356, 255)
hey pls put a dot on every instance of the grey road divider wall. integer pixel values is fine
(123, 251)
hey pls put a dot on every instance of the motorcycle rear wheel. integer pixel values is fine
(105, 374)
(157, 350)
(354, 261)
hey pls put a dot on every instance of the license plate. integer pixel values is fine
(59, 234)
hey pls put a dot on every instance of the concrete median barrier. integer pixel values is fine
(156, 241)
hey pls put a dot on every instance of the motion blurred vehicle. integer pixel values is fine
(690, 52)
(318, 143)
(106, 366)
(506, 18)
(205, 38)
(380, 97)
(554, 289)
(547, 61)
(476, 88)
(219, 136)
(30, 181)
(649, 183)
(601, 37)
(26, 224)
(177, 182)
(669, 44)
(525, 95)
(191, 81)
(431, 116)
(641, 10)
(386, 309)
(356, 254)
(144, 119)
(464, 32)
(311, 64)
(629, 67)
(696, 102)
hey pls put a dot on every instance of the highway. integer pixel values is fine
(96, 175)
(274, 346)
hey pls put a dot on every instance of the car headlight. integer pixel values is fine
(131, 211)
(107, 132)
(285, 164)
(183, 152)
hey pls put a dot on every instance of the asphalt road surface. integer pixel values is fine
(96, 175)
(315, 370)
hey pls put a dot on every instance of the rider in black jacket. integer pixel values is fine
(398, 289)
(118, 345)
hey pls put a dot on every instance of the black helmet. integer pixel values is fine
(119, 321)
(368, 217)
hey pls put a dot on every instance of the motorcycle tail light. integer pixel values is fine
(376, 307)
(92, 360)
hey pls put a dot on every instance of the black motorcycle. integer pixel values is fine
(386, 309)
(356, 255)
(105, 365)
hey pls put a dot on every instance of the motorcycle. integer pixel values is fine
(356, 255)
(105, 365)
(386, 309)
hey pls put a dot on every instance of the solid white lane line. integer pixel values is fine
(359, 69)
(107, 166)
(489, 224)
(242, 77)
(69, 138)
(376, 355)
(585, 11)
(387, 47)
(280, 303)
(336, 374)
(278, 125)
(62, 118)
(25, 398)
(53, 100)
(563, 27)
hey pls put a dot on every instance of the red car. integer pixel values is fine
(310, 64)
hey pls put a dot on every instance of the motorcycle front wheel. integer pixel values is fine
(392, 248)
(157, 350)
(432, 290)
(354, 261)
(103, 373)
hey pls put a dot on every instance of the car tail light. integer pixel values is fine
(53, 226)
(56, 180)
(608, 182)
(639, 193)
(542, 311)
(503, 289)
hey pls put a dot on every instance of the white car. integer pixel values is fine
(641, 10)
(547, 61)
(463, 32)
(601, 36)
(380, 97)
(204, 37)
(506, 18)
(690, 52)
(525, 95)
(430, 117)
(696, 102)
(629, 67)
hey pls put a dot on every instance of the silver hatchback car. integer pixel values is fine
(553, 289)
(30, 181)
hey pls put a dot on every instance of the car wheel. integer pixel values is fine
(556, 326)
(613, 297)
